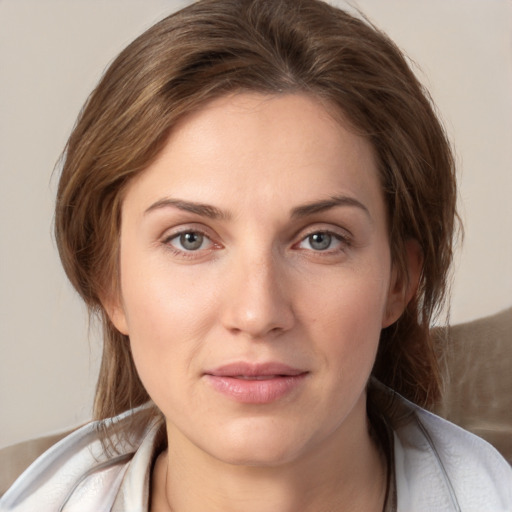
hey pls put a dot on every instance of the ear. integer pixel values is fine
(114, 308)
(403, 288)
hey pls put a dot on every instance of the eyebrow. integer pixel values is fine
(327, 204)
(204, 210)
(212, 212)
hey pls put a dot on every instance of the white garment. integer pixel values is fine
(438, 467)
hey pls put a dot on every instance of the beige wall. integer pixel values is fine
(51, 54)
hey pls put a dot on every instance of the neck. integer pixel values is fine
(346, 472)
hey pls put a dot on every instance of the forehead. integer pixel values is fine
(258, 149)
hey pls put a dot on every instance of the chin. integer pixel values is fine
(259, 445)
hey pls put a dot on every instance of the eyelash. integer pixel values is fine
(343, 242)
(184, 253)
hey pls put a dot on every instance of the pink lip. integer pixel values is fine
(255, 383)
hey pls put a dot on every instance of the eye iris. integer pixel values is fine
(191, 241)
(320, 241)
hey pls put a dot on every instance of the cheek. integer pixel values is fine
(344, 316)
(167, 316)
(159, 297)
(357, 298)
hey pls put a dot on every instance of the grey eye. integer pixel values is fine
(191, 241)
(320, 241)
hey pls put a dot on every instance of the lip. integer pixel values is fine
(255, 383)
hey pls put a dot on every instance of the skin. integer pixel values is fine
(260, 287)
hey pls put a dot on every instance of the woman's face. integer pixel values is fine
(256, 278)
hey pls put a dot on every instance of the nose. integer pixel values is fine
(258, 303)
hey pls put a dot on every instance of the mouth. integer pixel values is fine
(255, 370)
(255, 383)
(256, 377)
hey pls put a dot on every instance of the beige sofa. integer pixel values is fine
(478, 391)
(478, 387)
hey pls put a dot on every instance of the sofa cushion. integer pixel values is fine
(478, 379)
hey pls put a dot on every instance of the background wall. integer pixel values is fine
(52, 52)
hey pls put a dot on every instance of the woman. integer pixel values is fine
(259, 201)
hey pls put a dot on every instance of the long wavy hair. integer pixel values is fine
(215, 47)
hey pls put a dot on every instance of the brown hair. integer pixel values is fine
(214, 47)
